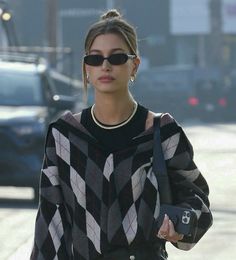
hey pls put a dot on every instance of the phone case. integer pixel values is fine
(184, 219)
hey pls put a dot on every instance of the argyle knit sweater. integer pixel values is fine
(92, 201)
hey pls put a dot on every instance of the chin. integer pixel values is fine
(106, 88)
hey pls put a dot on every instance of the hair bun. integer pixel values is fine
(113, 13)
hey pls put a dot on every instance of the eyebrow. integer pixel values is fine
(112, 50)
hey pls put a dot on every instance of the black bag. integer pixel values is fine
(184, 219)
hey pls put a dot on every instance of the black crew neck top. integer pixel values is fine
(117, 138)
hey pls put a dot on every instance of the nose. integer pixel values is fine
(106, 65)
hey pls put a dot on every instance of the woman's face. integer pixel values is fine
(108, 78)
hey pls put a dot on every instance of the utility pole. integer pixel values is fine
(216, 38)
(51, 28)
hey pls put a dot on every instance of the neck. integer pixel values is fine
(113, 111)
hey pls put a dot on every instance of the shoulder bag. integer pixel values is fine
(184, 219)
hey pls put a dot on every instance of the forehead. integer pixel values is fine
(106, 42)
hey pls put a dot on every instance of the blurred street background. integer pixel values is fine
(188, 68)
(187, 49)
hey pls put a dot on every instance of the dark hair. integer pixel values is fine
(111, 22)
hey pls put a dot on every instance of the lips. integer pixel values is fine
(105, 78)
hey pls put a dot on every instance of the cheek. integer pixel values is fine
(122, 76)
(121, 73)
(126, 71)
(126, 76)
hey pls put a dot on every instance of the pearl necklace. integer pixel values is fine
(114, 126)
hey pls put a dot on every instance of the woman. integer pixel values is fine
(99, 196)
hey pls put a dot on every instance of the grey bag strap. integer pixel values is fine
(159, 165)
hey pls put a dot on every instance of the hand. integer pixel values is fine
(167, 231)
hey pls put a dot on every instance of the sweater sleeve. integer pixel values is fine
(52, 228)
(189, 187)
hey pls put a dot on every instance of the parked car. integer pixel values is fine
(166, 89)
(29, 100)
(211, 102)
(184, 91)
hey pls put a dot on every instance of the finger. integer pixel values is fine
(165, 225)
(166, 222)
(171, 228)
(164, 229)
(173, 235)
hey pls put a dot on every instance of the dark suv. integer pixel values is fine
(28, 102)
(166, 89)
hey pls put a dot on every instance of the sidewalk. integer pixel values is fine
(23, 252)
(217, 244)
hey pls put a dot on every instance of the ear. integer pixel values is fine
(136, 63)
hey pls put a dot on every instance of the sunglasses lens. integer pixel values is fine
(93, 60)
(118, 59)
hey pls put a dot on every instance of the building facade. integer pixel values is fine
(200, 33)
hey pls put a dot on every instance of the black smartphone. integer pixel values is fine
(184, 219)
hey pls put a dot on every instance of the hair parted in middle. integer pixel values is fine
(110, 22)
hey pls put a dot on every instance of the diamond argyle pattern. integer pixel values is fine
(92, 201)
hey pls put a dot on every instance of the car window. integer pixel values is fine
(20, 89)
